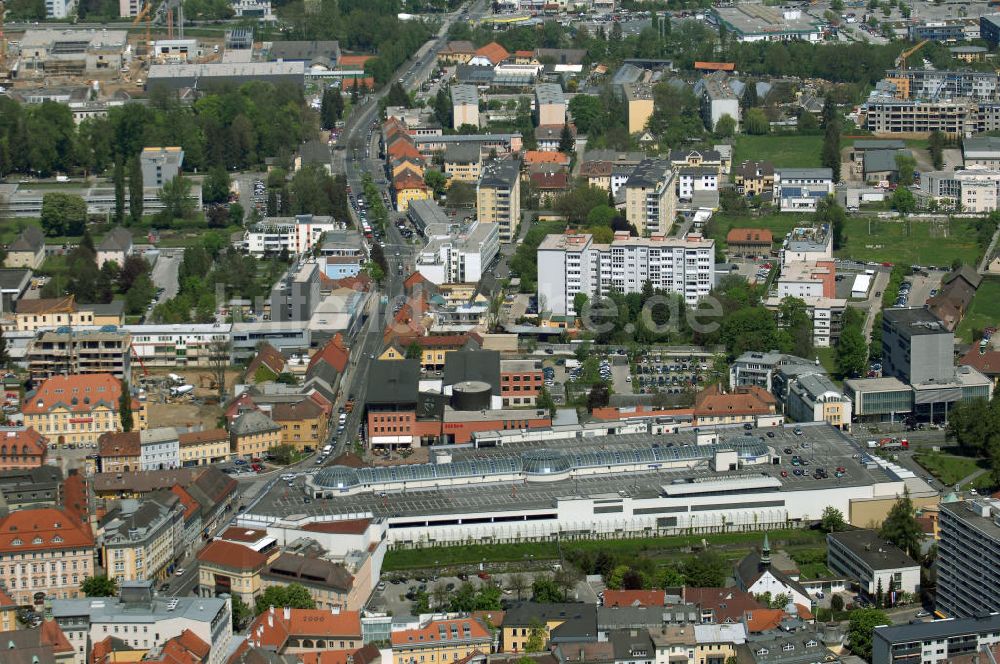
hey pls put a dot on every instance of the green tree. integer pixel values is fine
(283, 454)
(830, 154)
(588, 116)
(545, 590)
(5, 353)
(414, 351)
(99, 586)
(750, 328)
(176, 198)
(725, 127)
(566, 140)
(125, 407)
(708, 570)
(836, 603)
(903, 200)
(750, 95)
(807, 123)
(852, 350)
(241, 613)
(135, 193)
(331, 108)
(832, 520)
(756, 123)
(536, 637)
(294, 596)
(935, 145)
(861, 629)
(397, 96)
(905, 165)
(119, 179)
(215, 188)
(545, 402)
(436, 180)
(63, 214)
(901, 528)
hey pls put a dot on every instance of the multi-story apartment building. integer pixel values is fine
(498, 196)
(639, 105)
(21, 448)
(446, 640)
(201, 448)
(296, 235)
(936, 642)
(45, 554)
(144, 620)
(159, 449)
(651, 197)
(232, 569)
(968, 557)
(189, 345)
(463, 162)
(458, 253)
(464, 106)
(550, 104)
(288, 632)
(696, 178)
(574, 263)
(330, 584)
(303, 423)
(944, 84)
(142, 540)
(118, 451)
(801, 189)
(160, 165)
(916, 347)
(91, 351)
(32, 315)
(521, 381)
(253, 434)
(959, 116)
(718, 100)
(78, 409)
(975, 189)
(875, 563)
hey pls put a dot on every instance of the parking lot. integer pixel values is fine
(656, 372)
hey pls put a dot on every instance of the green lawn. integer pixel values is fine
(910, 242)
(949, 468)
(401, 559)
(984, 311)
(784, 151)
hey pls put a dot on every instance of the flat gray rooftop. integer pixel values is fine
(827, 448)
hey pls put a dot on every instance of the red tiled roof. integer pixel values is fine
(52, 634)
(347, 83)
(987, 363)
(634, 598)
(237, 534)
(48, 305)
(233, 556)
(23, 442)
(6, 601)
(364, 655)
(748, 236)
(187, 500)
(78, 393)
(729, 604)
(429, 634)
(407, 179)
(745, 400)
(272, 629)
(346, 527)
(119, 444)
(43, 529)
(557, 181)
(539, 157)
(334, 353)
(200, 437)
(493, 52)
(75, 496)
(714, 66)
(267, 356)
(185, 648)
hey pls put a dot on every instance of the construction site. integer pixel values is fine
(85, 66)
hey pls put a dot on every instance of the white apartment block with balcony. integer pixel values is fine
(458, 253)
(801, 189)
(574, 263)
(651, 196)
(296, 235)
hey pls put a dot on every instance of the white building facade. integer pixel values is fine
(574, 263)
(295, 235)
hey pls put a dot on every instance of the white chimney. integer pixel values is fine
(270, 620)
(335, 610)
(288, 613)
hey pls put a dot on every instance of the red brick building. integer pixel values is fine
(521, 382)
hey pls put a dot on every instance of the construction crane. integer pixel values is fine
(146, 13)
(901, 60)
